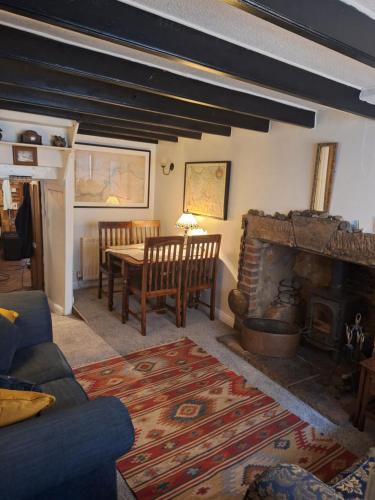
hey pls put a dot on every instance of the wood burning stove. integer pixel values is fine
(329, 308)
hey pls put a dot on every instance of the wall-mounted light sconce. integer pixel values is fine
(167, 169)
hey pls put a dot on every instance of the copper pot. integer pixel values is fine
(270, 337)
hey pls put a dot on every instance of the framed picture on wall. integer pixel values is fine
(25, 155)
(109, 177)
(206, 188)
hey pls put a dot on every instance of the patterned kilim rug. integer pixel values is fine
(201, 430)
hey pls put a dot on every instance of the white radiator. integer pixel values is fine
(89, 258)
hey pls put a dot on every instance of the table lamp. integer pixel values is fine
(187, 221)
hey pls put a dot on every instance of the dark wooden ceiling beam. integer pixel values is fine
(29, 75)
(99, 121)
(121, 131)
(73, 105)
(331, 23)
(123, 24)
(29, 47)
(117, 136)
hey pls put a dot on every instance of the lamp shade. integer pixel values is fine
(187, 221)
(199, 231)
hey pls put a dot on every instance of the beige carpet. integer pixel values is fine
(78, 342)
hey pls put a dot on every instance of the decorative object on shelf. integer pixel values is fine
(167, 169)
(110, 177)
(25, 155)
(187, 221)
(58, 141)
(31, 137)
(206, 188)
(323, 176)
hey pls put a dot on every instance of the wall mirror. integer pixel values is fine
(323, 176)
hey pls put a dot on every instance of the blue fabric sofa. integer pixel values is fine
(69, 451)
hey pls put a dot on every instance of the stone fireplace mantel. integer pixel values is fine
(269, 243)
(326, 235)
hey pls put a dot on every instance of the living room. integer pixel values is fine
(148, 175)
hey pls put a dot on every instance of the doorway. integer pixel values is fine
(21, 252)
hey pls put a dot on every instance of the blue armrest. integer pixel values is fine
(46, 451)
(34, 321)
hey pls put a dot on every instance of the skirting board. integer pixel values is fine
(226, 318)
(55, 308)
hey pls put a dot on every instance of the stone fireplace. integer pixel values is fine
(334, 266)
(311, 269)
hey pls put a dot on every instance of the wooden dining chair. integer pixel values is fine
(200, 271)
(111, 234)
(161, 276)
(143, 229)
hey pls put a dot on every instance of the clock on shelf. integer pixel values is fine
(31, 137)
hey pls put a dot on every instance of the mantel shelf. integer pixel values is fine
(39, 146)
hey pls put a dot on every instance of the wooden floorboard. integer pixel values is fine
(14, 275)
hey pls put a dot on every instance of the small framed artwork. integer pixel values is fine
(206, 188)
(25, 155)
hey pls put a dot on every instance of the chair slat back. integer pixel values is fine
(202, 253)
(112, 234)
(162, 269)
(143, 229)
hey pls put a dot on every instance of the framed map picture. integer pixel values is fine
(207, 188)
(109, 177)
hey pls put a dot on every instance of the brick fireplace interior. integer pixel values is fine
(310, 269)
(266, 265)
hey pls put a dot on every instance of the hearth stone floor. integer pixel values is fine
(102, 336)
(311, 375)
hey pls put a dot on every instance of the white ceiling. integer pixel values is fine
(220, 19)
(365, 6)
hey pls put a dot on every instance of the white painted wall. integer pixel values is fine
(55, 170)
(272, 172)
(86, 219)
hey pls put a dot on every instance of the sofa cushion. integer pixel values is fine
(34, 321)
(9, 340)
(67, 392)
(40, 363)
(9, 314)
(16, 406)
(290, 482)
(353, 486)
(8, 382)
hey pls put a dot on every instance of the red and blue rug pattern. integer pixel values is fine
(201, 430)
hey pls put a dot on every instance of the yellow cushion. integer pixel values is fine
(9, 314)
(20, 405)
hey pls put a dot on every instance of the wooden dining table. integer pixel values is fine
(124, 256)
